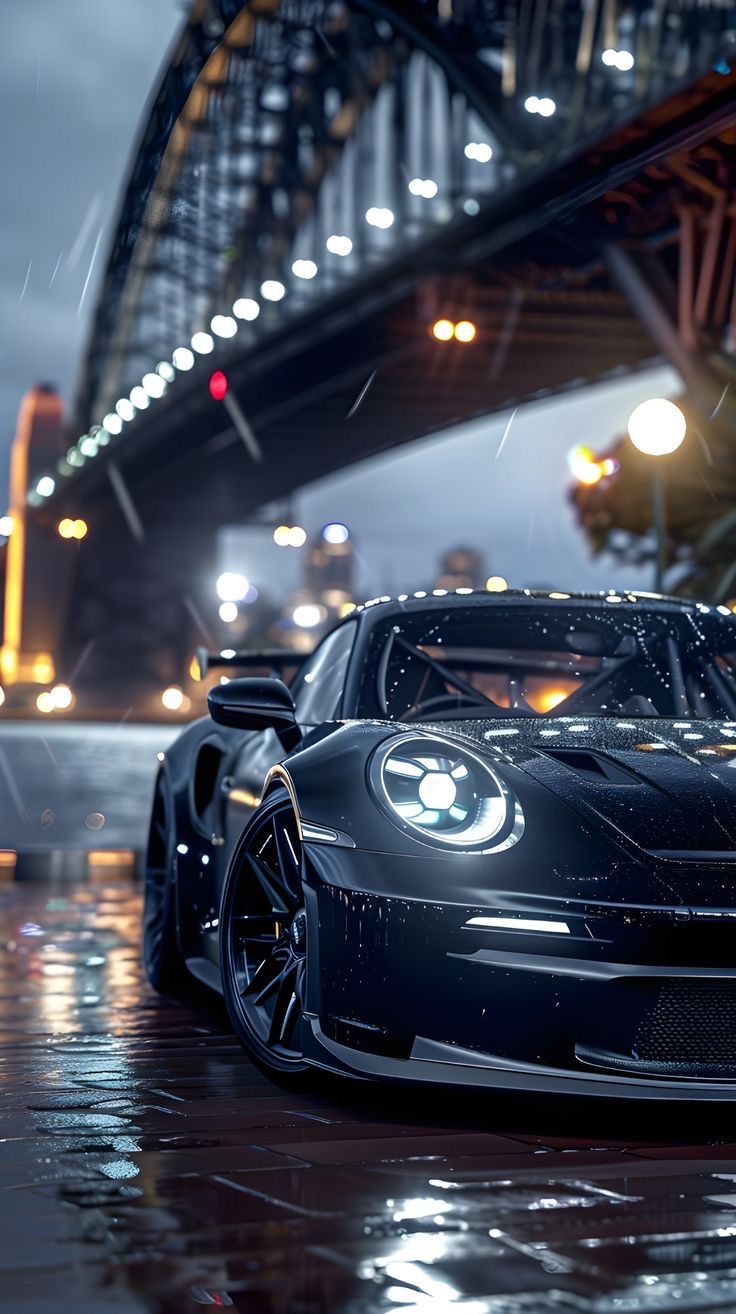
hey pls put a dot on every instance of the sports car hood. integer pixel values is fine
(668, 787)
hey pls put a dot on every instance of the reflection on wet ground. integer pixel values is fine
(147, 1166)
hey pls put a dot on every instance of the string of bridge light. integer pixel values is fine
(156, 382)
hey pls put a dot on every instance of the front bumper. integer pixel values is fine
(451, 1065)
(634, 1000)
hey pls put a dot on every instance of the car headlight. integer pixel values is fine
(445, 793)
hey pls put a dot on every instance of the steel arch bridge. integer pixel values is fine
(355, 144)
(315, 184)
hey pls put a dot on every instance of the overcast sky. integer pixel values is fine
(75, 77)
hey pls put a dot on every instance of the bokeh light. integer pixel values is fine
(657, 427)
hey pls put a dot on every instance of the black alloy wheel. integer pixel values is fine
(263, 943)
(161, 958)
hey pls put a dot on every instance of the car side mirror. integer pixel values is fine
(255, 703)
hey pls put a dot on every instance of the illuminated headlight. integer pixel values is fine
(446, 793)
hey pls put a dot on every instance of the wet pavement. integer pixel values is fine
(145, 1165)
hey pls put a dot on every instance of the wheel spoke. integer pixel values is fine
(283, 1002)
(268, 881)
(291, 1017)
(251, 920)
(265, 979)
(287, 856)
(265, 923)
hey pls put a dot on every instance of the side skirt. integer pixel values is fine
(206, 972)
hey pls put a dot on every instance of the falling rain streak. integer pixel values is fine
(93, 257)
(719, 403)
(505, 434)
(361, 396)
(25, 282)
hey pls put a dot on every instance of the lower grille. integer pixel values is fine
(691, 1021)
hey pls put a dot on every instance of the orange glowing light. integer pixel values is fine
(545, 697)
(550, 698)
(465, 330)
(584, 466)
(443, 330)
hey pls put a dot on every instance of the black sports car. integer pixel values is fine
(481, 838)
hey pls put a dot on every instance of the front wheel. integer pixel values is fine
(263, 943)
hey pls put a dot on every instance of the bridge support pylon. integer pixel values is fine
(37, 574)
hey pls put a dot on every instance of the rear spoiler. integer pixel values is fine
(273, 659)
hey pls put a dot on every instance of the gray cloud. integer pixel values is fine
(74, 79)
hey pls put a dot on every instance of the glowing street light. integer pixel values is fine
(479, 151)
(154, 384)
(62, 697)
(543, 105)
(379, 216)
(231, 586)
(228, 612)
(273, 290)
(246, 308)
(465, 330)
(6, 526)
(304, 269)
(113, 423)
(657, 427)
(289, 536)
(339, 245)
(224, 326)
(125, 409)
(425, 187)
(443, 330)
(623, 60)
(139, 398)
(183, 359)
(203, 343)
(307, 615)
(72, 528)
(173, 698)
(336, 533)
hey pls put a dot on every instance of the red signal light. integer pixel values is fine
(218, 385)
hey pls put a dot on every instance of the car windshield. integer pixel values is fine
(536, 660)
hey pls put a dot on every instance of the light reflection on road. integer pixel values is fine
(145, 1157)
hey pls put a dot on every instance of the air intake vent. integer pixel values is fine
(592, 766)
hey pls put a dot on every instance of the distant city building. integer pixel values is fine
(329, 566)
(327, 589)
(462, 568)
